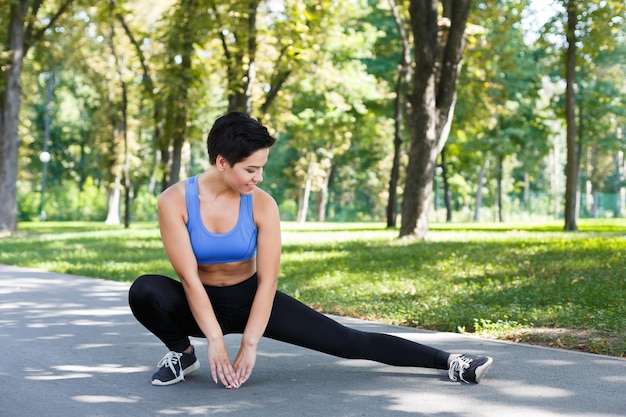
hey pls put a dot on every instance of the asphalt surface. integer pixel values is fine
(72, 348)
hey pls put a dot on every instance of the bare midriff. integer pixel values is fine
(226, 274)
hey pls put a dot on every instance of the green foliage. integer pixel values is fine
(67, 202)
(599, 104)
(28, 203)
(528, 282)
(333, 66)
(144, 206)
(500, 111)
(332, 131)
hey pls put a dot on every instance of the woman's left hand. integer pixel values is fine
(244, 363)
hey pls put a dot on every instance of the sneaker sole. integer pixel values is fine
(482, 370)
(187, 371)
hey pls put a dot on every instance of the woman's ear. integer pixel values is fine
(221, 162)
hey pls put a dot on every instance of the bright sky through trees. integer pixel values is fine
(536, 16)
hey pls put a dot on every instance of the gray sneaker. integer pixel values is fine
(469, 368)
(174, 366)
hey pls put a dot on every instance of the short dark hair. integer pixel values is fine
(236, 136)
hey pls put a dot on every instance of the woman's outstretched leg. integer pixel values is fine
(298, 324)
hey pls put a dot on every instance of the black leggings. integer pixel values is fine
(159, 303)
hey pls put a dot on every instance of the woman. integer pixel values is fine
(222, 236)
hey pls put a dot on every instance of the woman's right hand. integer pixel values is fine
(221, 368)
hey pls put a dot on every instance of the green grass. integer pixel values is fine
(531, 282)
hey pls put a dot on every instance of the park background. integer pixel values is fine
(484, 128)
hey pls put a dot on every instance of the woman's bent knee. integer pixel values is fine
(155, 290)
(139, 289)
(146, 289)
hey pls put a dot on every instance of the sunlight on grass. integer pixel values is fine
(518, 282)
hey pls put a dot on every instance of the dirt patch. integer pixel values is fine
(584, 340)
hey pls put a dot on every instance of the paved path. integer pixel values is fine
(72, 348)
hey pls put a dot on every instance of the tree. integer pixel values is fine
(334, 65)
(239, 40)
(515, 132)
(571, 187)
(401, 108)
(438, 48)
(253, 72)
(601, 117)
(331, 107)
(24, 30)
(329, 115)
(150, 90)
(592, 30)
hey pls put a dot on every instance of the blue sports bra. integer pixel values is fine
(238, 244)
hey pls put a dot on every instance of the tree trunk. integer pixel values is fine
(165, 162)
(123, 125)
(621, 177)
(161, 144)
(588, 196)
(9, 119)
(447, 194)
(571, 187)
(50, 80)
(437, 65)
(241, 63)
(479, 192)
(302, 206)
(176, 117)
(305, 193)
(22, 35)
(555, 183)
(113, 203)
(400, 107)
(322, 200)
(500, 162)
(526, 190)
(394, 178)
(126, 165)
(149, 91)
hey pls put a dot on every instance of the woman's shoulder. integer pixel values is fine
(262, 197)
(173, 195)
(263, 202)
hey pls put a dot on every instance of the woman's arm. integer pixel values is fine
(267, 263)
(172, 214)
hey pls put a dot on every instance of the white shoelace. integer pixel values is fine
(170, 360)
(458, 367)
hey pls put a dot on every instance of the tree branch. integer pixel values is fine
(31, 38)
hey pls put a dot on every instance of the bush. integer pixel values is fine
(64, 202)
(144, 206)
(28, 202)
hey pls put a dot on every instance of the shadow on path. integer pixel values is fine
(72, 348)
